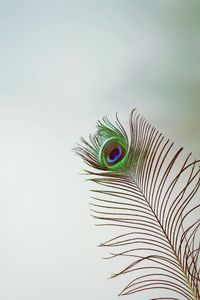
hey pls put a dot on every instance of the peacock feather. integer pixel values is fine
(148, 194)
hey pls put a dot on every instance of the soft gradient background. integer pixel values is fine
(63, 65)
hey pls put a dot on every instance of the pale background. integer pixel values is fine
(64, 65)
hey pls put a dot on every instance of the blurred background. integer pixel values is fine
(64, 65)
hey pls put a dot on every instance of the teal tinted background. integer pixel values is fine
(64, 65)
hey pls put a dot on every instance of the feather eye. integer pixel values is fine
(113, 153)
(107, 149)
(148, 195)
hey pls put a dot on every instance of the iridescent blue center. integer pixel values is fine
(114, 155)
